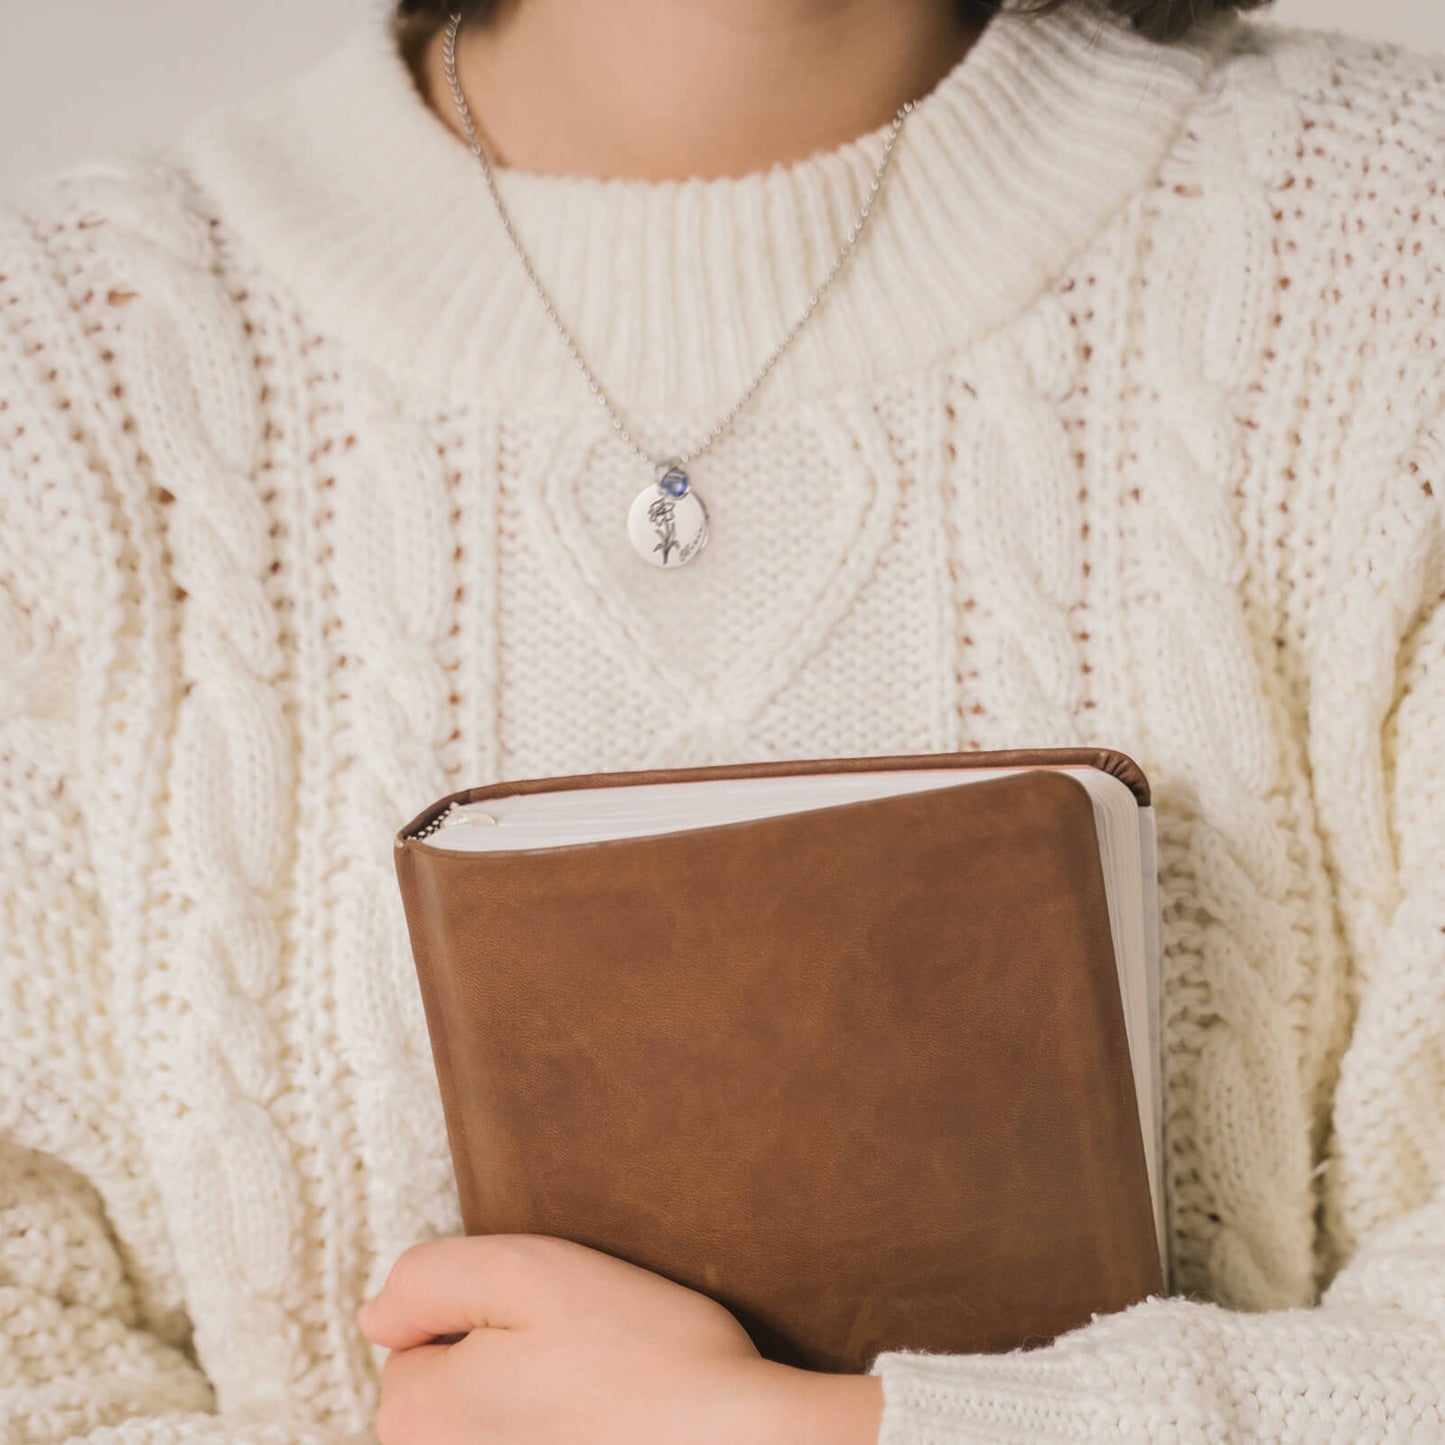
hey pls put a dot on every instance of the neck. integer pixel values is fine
(655, 90)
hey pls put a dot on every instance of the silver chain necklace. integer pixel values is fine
(667, 523)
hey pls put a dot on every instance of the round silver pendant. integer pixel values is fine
(668, 522)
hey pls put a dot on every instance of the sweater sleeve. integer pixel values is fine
(1367, 1360)
(94, 1337)
(1364, 1359)
(1368, 1363)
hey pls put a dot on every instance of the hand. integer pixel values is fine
(561, 1344)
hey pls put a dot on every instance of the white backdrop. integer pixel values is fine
(92, 74)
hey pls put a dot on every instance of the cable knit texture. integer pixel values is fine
(1125, 426)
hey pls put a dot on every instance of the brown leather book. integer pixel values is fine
(863, 1048)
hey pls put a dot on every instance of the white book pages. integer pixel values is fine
(1126, 837)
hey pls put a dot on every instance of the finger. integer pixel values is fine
(449, 1287)
(412, 1390)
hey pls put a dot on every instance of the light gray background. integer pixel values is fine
(89, 75)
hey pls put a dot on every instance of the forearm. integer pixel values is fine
(1366, 1364)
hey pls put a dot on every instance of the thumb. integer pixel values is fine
(449, 1287)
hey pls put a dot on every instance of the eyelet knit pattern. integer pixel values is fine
(1126, 426)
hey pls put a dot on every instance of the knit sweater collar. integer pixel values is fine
(375, 218)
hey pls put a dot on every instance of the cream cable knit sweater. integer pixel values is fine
(1125, 426)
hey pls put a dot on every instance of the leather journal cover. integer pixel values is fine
(859, 1073)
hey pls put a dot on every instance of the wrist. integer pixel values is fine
(808, 1407)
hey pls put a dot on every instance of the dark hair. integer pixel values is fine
(1158, 19)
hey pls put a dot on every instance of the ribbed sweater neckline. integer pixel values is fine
(374, 216)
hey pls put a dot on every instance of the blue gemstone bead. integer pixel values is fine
(674, 483)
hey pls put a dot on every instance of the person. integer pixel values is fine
(1119, 420)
